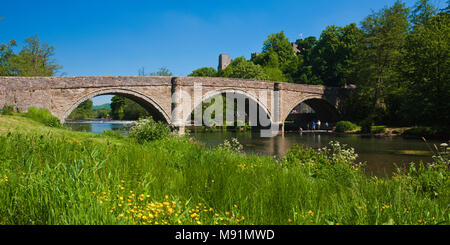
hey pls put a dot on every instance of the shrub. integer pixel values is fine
(366, 126)
(343, 126)
(43, 116)
(378, 129)
(232, 145)
(8, 110)
(419, 131)
(335, 162)
(147, 130)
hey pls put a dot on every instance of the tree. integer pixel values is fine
(117, 107)
(163, 71)
(6, 52)
(383, 43)
(422, 13)
(35, 59)
(204, 72)
(241, 68)
(278, 53)
(83, 111)
(334, 55)
(427, 58)
(306, 58)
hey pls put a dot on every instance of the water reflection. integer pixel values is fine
(99, 126)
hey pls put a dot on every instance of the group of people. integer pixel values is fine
(316, 126)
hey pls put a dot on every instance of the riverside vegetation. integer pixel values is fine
(51, 175)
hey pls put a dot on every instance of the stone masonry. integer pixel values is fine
(61, 95)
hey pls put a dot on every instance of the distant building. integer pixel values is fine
(295, 47)
(224, 61)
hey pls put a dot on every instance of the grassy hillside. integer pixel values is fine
(101, 107)
(56, 176)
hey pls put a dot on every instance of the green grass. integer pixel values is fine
(56, 176)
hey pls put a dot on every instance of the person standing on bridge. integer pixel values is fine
(318, 124)
(313, 125)
(326, 126)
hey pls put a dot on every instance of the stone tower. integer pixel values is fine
(224, 61)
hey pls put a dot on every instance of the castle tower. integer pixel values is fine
(224, 61)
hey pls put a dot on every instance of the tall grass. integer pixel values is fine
(53, 179)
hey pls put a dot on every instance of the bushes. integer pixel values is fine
(419, 131)
(8, 110)
(43, 116)
(366, 126)
(378, 129)
(147, 130)
(343, 126)
(336, 162)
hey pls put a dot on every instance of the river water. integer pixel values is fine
(381, 154)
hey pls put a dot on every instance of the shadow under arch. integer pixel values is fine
(146, 102)
(324, 110)
(246, 95)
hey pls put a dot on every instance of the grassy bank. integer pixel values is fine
(55, 176)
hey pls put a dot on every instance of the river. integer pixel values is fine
(381, 154)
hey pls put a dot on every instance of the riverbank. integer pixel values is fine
(381, 131)
(56, 176)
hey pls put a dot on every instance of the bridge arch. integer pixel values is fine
(325, 110)
(213, 93)
(145, 101)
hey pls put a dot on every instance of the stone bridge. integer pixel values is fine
(61, 95)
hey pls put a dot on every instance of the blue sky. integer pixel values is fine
(111, 38)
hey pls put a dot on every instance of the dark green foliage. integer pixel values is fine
(148, 130)
(35, 59)
(378, 129)
(82, 112)
(366, 126)
(419, 131)
(43, 116)
(204, 72)
(117, 105)
(241, 68)
(8, 110)
(343, 126)
(432, 180)
(336, 161)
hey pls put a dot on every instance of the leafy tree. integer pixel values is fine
(83, 111)
(334, 55)
(117, 107)
(204, 72)
(163, 71)
(422, 13)
(427, 58)
(6, 52)
(279, 53)
(133, 111)
(35, 59)
(305, 72)
(384, 38)
(241, 68)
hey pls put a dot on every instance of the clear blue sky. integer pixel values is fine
(109, 38)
